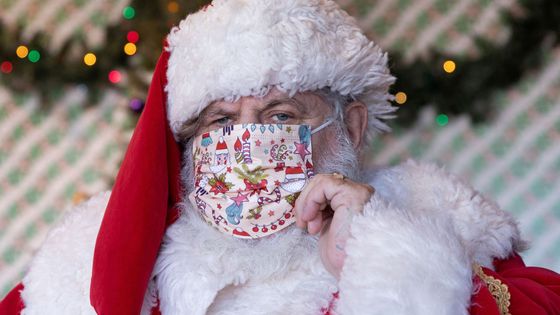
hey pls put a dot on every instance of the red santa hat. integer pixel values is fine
(233, 48)
(221, 147)
(140, 208)
(238, 48)
(294, 173)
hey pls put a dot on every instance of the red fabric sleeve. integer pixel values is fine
(12, 303)
(140, 208)
(533, 290)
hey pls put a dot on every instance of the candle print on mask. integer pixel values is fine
(247, 177)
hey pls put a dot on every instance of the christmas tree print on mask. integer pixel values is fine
(248, 177)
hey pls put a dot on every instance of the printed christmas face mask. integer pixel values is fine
(247, 177)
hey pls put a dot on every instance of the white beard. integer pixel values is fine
(340, 157)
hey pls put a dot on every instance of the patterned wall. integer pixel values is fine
(49, 161)
(62, 21)
(52, 158)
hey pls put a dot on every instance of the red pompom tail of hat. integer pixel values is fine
(140, 208)
(12, 304)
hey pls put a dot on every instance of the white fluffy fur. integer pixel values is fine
(412, 249)
(239, 48)
(486, 231)
(280, 274)
(60, 274)
(410, 253)
(399, 263)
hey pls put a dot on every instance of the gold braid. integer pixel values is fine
(499, 291)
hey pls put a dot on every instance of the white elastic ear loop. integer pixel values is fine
(327, 122)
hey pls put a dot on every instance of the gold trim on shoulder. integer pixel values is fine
(498, 290)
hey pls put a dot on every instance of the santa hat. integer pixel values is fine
(139, 210)
(236, 48)
(221, 147)
(231, 49)
(294, 173)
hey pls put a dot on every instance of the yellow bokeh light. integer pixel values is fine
(400, 98)
(130, 49)
(449, 66)
(90, 59)
(173, 7)
(22, 51)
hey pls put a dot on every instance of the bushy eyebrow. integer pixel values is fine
(215, 111)
(287, 100)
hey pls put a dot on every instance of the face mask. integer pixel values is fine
(247, 177)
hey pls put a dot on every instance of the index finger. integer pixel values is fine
(308, 209)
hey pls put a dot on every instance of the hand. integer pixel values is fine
(345, 198)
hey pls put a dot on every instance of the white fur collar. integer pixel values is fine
(202, 271)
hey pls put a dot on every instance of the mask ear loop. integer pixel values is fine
(327, 122)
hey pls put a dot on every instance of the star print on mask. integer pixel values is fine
(301, 150)
(239, 199)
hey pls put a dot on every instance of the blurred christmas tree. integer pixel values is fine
(117, 43)
(465, 84)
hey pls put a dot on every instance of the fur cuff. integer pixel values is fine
(402, 264)
(412, 249)
(486, 231)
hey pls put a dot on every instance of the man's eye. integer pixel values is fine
(221, 121)
(281, 117)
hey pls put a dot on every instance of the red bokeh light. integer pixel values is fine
(6, 67)
(132, 37)
(115, 76)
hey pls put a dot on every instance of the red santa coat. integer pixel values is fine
(513, 288)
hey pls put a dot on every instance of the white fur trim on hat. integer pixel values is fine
(236, 48)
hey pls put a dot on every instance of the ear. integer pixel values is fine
(356, 119)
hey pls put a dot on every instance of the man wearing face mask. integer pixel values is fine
(241, 192)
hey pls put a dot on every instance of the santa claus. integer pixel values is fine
(302, 86)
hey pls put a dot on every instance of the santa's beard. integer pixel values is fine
(187, 171)
(338, 156)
